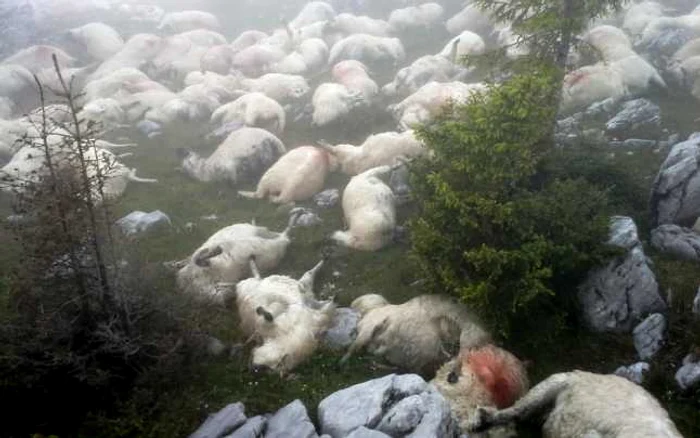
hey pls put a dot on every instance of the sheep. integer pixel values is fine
(369, 49)
(243, 156)
(639, 15)
(16, 83)
(183, 21)
(347, 24)
(470, 18)
(310, 56)
(482, 375)
(280, 87)
(377, 150)
(7, 107)
(289, 318)
(217, 59)
(355, 77)
(369, 208)
(107, 113)
(195, 103)
(296, 176)
(136, 52)
(426, 103)
(138, 104)
(611, 42)
(429, 68)
(247, 39)
(100, 40)
(252, 109)
(224, 258)
(466, 43)
(586, 404)
(257, 59)
(311, 13)
(415, 18)
(332, 102)
(506, 38)
(591, 84)
(40, 57)
(690, 23)
(415, 335)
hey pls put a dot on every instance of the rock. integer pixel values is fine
(639, 143)
(636, 118)
(399, 183)
(649, 336)
(618, 295)
(343, 329)
(696, 303)
(675, 197)
(688, 375)
(253, 428)
(601, 110)
(149, 128)
(222, 423)
(667, 43)
(327, 198)
(634, 372)
(292, 421)
(306, 218)
(138, 221)
(363, 432)
(402, 405)
(677, 241)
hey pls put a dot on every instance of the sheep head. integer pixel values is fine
(368, 302)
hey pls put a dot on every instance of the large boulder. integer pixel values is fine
(615, 297)
(395, 405)
(639, 118)
(678, 241)
(292, 421)
(675, 197)
(649, 336)
(221, 423)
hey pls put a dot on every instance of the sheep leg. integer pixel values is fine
(254, 267)
(306, 282)
(248, 195)
(539, 397)
(201, 259)
(364, 338)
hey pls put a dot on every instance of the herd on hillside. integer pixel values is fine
(181, 70)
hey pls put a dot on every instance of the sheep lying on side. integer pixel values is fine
(242, 157)
(368, 49)
(482, 376)
(100, 41)
(414, 18)
(224, 258)
(369, 207)
(296, 176)
(284, 315)
(183, 21)
(377, 150)
(254, 110)
(285, 89)
(585, 404)
(429, 68)
(353, 90)
(417, 334)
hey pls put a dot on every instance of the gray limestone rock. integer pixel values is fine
(649, 336)
(636, 118)
(634, 372)
(678, 241)
(688, 375)
(292, 421)
(253, 428)
(327, 198)
(222, 423)
(343, 329)
(138, 222)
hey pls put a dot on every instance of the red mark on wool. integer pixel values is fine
(499, 372)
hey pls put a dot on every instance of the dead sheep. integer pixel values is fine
(39, 58)
(347, 24)
(586, 404)
(223, 260)
(257, 59)
(242, 157)
(416, 336)
(311, 13)
(297, 176)
(429, 68)
(175, 22)
(470, 18)
(464, 44)
(377, 150)
(332, 102)
(284, 316)
(285, 89)
(136, 53)
(590, 84)
(100, 41)
(369, 208)
(413, 18)
(309, 57)
(369, 49)
(254, 110)
(482, 376)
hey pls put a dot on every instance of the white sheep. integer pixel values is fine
(369, 208)
(347, 24)
(639, 15)
(470, 18)
(377, 150)
(285, 89)
(217, 59)
(426, 103)
(416, 335)
(354, 76)
(690, 23)
(583, 404)
(100, 40)
(183, 21)
(296, 176)
(257, 59)
(482, 376)
(369, 49)
(332, 102)
(464, 44)
(40, 57)
(288, 320)
(429, 68)
(252, 109)
(311, 13)
(591, 84)
(107, 113)
(243, 156)
(309, 57)
(224, 258)
(413, 18)
(136, 52)
(16, 84)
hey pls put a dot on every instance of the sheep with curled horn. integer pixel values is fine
(284, 315)
(224, 258)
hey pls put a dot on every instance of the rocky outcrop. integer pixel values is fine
(638, 118)
(677, 241)
(615, 297)
(675, 197)
(394, 405)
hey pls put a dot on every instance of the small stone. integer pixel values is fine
(634, 372)
(649, 336)
(696, 303)
(139, 222)
(343, 329)
(688, 375)
(306, 218)
(327, 198)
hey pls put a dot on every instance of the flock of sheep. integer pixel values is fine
(185, 72)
